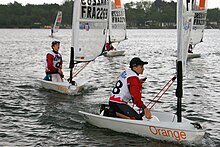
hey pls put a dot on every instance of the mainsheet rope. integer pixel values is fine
(80, 69)
(161, 93)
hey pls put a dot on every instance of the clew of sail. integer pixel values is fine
(184, 27)
(117, 22)
(89, 29)
(57, 22)
(199, 9)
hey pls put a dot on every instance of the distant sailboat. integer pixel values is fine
(57, 23)
(89, 32)
(199, 9)
(117, 29)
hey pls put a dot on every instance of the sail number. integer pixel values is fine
(94, 9)
(94, 2)
(199, 19)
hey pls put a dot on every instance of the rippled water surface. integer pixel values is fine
(33, 116)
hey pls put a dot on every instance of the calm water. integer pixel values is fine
(34, 116)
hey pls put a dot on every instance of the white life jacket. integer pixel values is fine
(120, 89)
(56, 61)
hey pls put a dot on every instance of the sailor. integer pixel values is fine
(128, 87)
(190, 48)
(51, 29)
(54, 64)
(109, 46)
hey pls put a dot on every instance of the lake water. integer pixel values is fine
(33, 116)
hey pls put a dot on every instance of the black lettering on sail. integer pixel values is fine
(94, 12)
(118, 19)
(117, 13)
(83, 12)
(83, 2)
(89, 11)
(89, 2)
(199, 19)
(94, 3)
(98, 2)
(98, 13)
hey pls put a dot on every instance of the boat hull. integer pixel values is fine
(62, 87)
(114, 53)
(192, 55)
(166, 128)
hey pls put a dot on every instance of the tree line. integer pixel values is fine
(143, 14)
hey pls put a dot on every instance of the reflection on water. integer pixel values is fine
(31, 115)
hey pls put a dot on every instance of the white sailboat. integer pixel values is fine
(57, 23)
(199, 9)
(87, 42)
(117, 28)
(168, 126)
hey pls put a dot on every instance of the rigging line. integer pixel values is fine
(163, 90)
(80, 69)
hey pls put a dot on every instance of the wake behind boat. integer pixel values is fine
(168, 126)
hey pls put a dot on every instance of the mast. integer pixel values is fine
(71, 65)
(74, 39)
(110, 22)
(179, 90)
(184, 28)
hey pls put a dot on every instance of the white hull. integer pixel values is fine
(114, 53)
(166, 128)
(62, 87)
(192, 55)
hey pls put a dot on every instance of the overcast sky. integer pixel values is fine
(211, 3)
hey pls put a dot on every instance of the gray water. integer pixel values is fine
(33, 116)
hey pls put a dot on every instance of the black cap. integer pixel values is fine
(55, 42)
(136, 61)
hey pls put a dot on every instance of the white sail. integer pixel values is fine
(199, 9)
(117, 22)
(184, 27)
(89, 29)
(57, 22)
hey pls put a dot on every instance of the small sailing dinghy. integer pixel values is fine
(117, 29)
(199, 9)
(165, 126)
(87, 43)
(57, 23)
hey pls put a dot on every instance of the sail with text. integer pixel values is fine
(199, 9)
(89, 29)
(57, 22)
(117, 22)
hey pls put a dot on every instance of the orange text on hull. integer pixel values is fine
(178, 135)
